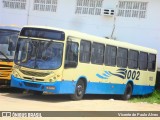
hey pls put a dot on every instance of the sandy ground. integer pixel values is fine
(13, 101)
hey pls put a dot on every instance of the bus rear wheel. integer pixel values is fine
(79, 91)
(128, 92)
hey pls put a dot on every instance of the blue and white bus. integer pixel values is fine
(62, 61)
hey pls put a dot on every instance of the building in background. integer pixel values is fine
(133, 21)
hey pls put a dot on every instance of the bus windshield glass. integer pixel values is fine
(8, 40)
(38, 54)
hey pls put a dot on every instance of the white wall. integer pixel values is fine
(143, 32)
(1, 13)
(12, 16)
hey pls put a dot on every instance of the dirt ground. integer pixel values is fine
(15, 101)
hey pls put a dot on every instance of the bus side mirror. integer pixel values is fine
(70, 64)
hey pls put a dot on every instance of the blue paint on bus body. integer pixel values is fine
(68, 87)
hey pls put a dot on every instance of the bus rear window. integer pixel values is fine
(43, 33)
(151, 62)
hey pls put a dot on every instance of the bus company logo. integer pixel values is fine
(119, 73)
(33, 79)
(6, 114)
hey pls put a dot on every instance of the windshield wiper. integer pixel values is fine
(5, 56)
(35, 44)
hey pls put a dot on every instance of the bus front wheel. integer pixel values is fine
(128, 92)
(79, 91)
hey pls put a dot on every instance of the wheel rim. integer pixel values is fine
(129, 91)
(79, 90)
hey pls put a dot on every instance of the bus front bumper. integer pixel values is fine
(58, 87)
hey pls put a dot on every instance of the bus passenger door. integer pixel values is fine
(71, 60)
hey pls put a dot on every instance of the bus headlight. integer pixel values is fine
(51, 80)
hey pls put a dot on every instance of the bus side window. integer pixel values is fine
(71, 59)
(110, 55)
(143, 60)
(85, 51)
(151, 62)
(97, 56)
(133, 59)
(122, 57)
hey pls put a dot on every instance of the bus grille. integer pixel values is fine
(35, 79)
(5, 67)
(31, 85)
(38, 74)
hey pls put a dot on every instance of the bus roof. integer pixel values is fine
(99, 39)
(15, 28)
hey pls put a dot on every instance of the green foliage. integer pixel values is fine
(153, 98)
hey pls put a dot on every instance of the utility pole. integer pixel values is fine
(28, 11)
(114, 22)
(114, 26)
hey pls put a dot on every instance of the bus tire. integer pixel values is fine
(79, 91)
(128, 92)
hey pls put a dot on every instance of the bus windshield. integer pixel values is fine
(38, 54)
(8, 40)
